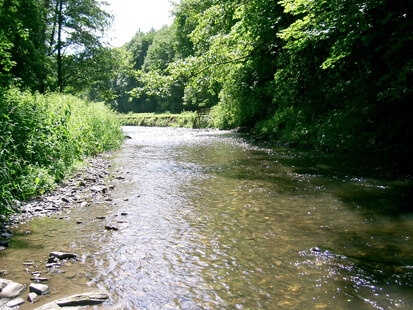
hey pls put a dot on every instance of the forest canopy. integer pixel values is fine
(330, 75)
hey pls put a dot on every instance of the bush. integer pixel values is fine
(42, 136)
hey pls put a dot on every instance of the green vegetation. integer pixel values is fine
(50, 46)
(184, 119)
(42, 136)
(333, 76)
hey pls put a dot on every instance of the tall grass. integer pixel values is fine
(42, 136)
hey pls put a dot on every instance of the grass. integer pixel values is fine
(43, 136)
(184, 119)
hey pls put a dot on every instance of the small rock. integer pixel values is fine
(38, 279)
(15, 302)
(62, 255)
(52, 265)
(28, 263)
(83, 204)
(100, 217)
(79, 222)
(40, 289)
(52, 260)
(2, 248)
(107, 227)
(124, 213)
(3, 272)
(33, 297)
(7, 235)
(99, 188)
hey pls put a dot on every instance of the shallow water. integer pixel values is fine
(214, 222)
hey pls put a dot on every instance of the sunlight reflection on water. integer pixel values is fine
(213, 222)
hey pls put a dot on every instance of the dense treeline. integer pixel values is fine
(48, 47)
(56, 45)
(330, 75)
(333, 75)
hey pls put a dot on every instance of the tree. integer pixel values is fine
(75, 30)
(22, 44)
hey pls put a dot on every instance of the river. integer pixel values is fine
(208, 220)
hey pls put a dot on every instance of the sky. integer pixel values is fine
(132, 15)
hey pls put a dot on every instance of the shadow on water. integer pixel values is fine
(373, 256)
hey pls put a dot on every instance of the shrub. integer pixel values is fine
(42, 136)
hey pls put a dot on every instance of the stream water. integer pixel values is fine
(207, 220)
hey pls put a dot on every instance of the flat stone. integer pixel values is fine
(85, 299)
(33, 297)
(63, 255)
(40, 289)
(10, 289)
(15, 302)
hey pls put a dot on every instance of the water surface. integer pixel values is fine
(211, 221)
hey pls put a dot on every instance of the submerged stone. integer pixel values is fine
(62, 255)
(85, 299)
(111, 228)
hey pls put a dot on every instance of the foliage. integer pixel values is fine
(184, 119)
(51, 44)
(41, 137)
(331, 75)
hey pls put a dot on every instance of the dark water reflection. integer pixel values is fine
(217, 223)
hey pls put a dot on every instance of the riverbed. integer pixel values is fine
(206, 219)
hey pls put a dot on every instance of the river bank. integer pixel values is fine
(87, 186)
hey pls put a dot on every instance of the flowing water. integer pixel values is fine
(209, 221)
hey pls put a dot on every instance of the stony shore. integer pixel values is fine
(82, 188)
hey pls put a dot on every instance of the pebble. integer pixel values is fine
(38, 279)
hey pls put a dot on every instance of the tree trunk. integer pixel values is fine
(59, 48)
